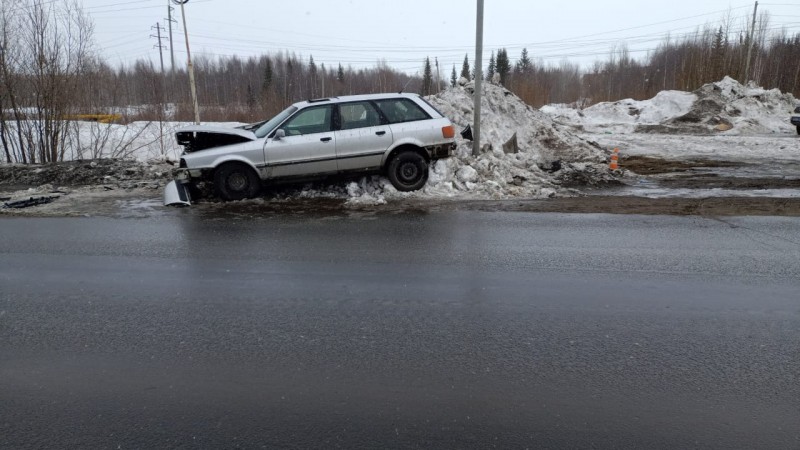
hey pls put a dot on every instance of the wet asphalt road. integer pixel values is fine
(427, 330)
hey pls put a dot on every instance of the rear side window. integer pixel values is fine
(358, 115)
(398, 110)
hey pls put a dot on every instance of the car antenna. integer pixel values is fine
(406, 85)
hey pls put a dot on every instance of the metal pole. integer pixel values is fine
(171, 48)
(750, 47)
(438, 76)
(191, 70)
(160, 47)
(476, 132)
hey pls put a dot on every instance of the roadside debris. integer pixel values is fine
(33, 201)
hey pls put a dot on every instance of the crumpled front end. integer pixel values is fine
(198, 138)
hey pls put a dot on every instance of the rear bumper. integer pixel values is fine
(442, 150)
(796, 121)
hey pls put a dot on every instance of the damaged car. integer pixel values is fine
(396, 135)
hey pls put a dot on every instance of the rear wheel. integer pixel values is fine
(408, 171)
(798, 129)
(236, 181)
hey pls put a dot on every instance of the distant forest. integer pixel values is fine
(49, 69)
(232, 88)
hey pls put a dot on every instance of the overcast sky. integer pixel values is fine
(360, 32)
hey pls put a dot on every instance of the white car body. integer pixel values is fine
(319, 138)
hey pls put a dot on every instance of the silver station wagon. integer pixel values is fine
(397, 135)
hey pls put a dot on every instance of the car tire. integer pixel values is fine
(236, 181)
(798, 129)
(408, 171)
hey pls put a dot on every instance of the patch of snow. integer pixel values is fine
(623, 116)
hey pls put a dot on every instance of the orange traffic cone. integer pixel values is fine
(614, 160)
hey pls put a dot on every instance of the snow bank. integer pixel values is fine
(748, 110)
(722, 107)
(625, 115)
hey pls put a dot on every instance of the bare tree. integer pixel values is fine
(51, 42)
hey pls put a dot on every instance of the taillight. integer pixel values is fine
(449, 132)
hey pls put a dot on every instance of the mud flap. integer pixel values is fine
(176, 194)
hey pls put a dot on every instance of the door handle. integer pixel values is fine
(326, 139)
(380, 133)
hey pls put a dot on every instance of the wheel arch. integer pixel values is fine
(402, 148)
(234, 160)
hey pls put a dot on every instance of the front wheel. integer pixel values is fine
(236, 181)
(408, 171)
(798, 129)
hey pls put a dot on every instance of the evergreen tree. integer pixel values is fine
(465, 68)
(490, 72)
(312, 72)
(288, 83)
(251, 98)
(524, 65)
(453, 77)
(427, 78)
(340, 74)
(503, 65)
(718, 49)
(268, 76)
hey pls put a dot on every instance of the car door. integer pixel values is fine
(308, 146)
(362, 137)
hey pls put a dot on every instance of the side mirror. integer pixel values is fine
(280, 134)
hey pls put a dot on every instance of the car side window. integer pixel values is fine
(358, 115)
(310, 121)
(398, 110)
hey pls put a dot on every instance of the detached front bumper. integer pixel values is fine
(176, 194)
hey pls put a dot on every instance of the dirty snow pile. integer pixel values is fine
(723, 107)
(624, 116)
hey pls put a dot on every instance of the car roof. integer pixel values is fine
(355, 98)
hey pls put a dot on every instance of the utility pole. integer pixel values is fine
(476, 132)
(750, 47)
(169, 24)
(189, 65)
(438, 76)
(159, 45)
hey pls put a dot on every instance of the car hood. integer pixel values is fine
(201, 137)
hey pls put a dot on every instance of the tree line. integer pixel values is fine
(705, 56)
(50, 71)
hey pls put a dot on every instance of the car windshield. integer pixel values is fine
(270, 125)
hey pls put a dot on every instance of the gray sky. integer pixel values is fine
(360, 32)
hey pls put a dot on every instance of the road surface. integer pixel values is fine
(415, 330)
